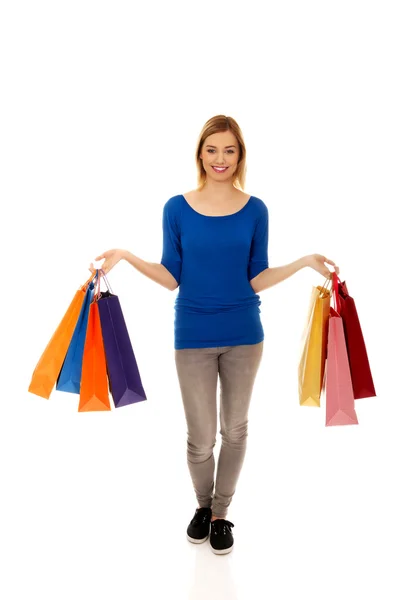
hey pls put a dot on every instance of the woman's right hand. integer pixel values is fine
(112, 257)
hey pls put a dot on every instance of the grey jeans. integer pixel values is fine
(198, 370)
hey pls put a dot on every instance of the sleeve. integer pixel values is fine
(172, 250)
(258, 260)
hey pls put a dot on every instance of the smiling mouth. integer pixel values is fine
(220, 169)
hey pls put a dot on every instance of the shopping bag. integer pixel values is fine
(339, 396)
(94, 381)
(123, 373)
(49, 365)
(314, 347)
(69, 379)
(361, 376)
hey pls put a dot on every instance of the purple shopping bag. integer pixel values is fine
(123, 373)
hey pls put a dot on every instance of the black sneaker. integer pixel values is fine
(221, 538)
(199, 527)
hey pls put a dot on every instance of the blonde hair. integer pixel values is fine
(215, 125)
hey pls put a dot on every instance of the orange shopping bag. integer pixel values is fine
(94, 382)
(50, 363)
(311, 368)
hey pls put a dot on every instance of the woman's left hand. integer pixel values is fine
(317, 262)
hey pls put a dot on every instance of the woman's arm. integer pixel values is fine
(273, 275)
(154, 271)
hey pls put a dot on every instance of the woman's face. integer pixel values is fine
(220, 150)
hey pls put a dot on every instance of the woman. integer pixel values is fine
(215, 248)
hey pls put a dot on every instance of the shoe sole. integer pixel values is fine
(224, 551)
(196, 541)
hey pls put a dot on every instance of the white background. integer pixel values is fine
(101, 107)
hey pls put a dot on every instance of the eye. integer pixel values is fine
(212, 150)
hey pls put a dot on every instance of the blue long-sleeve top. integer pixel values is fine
(213, 259)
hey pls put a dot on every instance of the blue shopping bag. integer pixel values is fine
(69, 379)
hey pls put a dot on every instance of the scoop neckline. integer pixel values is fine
(216, 216)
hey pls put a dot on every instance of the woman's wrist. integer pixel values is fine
(305, 261)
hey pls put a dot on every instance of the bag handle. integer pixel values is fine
(326, 287)
(336, 300)
(91, 278)
(107, 282)
(96, 296)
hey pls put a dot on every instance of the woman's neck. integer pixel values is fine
(219, 192)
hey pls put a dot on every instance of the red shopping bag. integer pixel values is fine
(339, 395)
(94, 382)
(363, 385)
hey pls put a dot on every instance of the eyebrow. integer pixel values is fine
(210, 146)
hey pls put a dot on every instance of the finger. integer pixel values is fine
(100, 257)
(327, 260)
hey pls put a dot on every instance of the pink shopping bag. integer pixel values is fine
(340, 405)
